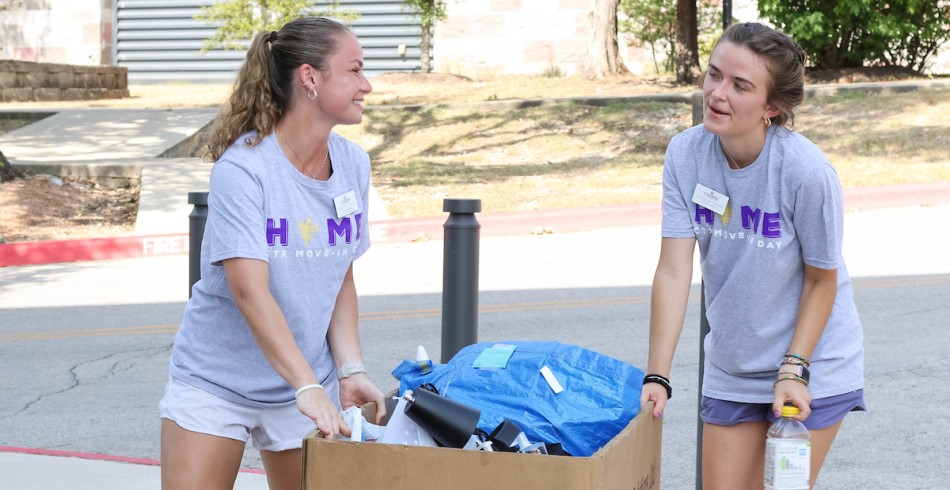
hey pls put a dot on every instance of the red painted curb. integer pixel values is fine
(896, 196)
(406, 230)
(36, 253)
(95, 457)
(421, 229)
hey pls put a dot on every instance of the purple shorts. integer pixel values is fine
(825, 412)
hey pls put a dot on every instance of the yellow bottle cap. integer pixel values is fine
(790, 411)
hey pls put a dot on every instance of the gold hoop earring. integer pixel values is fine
(312, 94)
(768, 122)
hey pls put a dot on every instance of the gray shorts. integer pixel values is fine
(825, 412)
(270, 429)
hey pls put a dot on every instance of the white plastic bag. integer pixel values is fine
(402, 430)
(361, 430)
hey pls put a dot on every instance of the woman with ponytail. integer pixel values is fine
(268, 347)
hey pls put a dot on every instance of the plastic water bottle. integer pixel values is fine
(787, 453)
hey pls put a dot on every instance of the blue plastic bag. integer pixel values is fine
(601, 394)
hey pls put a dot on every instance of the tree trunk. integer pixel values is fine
(425, 47)
(687, 52)
(7, 172)
(604, 52)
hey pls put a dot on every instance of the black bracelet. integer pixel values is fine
(660, 380)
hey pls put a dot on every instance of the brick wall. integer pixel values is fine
(22, 81)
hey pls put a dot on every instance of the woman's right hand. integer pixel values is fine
(668, 299)
(317, 406)
(657, 394)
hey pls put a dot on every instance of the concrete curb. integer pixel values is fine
(685, 96)
(526, 223)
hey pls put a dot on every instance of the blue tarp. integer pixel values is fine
(601, 394)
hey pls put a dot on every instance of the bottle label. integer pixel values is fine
(787, 463)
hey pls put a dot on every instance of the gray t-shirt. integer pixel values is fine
(261, 207)
(783, 211)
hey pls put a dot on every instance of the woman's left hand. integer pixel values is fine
(793, 391)
(357, 390)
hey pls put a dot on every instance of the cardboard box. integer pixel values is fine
(631, 460)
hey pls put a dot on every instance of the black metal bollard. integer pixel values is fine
(703, 331)
(196, 233)
(460, 276)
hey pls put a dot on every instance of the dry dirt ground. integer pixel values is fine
(34, 209)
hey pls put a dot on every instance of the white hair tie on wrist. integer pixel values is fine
(305, 388)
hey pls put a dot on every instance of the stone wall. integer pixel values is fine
(24, 81)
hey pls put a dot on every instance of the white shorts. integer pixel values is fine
(270, 429)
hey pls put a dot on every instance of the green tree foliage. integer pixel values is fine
(239, 20)
(653, 23)
(854, 33)
(429, 12)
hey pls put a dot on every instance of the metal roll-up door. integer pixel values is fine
(159, 40)
(390, 34)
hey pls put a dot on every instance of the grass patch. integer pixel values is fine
(7, 125)
(882, 139)
(560, 154)
(566, 154)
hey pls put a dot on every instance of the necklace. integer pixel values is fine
(326, 157)
(731, 161)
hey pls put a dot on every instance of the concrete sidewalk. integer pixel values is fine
(23, 471)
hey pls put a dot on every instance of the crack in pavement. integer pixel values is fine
(82, 379)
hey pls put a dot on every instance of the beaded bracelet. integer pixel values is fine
(791, 358)
(791, 376)
(660, 380)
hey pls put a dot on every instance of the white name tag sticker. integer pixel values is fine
(710, 199)
(346, 204)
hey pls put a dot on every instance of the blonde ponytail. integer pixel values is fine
(264, 84)
(251, 105)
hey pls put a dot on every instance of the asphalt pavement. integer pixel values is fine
(84, 344)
